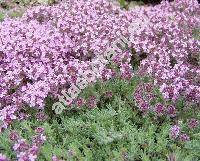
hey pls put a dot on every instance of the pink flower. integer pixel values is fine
(144, 106)
(80, 102)
(34, 151)
(21, 145)
(126, 71)
(14, 136)
(171, 110)
(184, 137)
(3, 157)
(41, 116)
(7, 114)
(159, 108)
(39, 130)
(39, 139)
(91, 102)
(193, 123)
(174, 131)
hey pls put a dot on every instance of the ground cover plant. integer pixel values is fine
(143, 105)
(16, 8)
(107, 125)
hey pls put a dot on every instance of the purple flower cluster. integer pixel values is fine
(91, 102)
(184, 137)
(91, 24)
(3, 157)
(144, 95)
(47, 49)
(175, 133)
(55, 158)
(173, 52)
(25, 151)
(50, 47)
(193, 123)
(7, 115)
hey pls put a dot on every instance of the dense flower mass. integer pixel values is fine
(51, 46)
(173, 53)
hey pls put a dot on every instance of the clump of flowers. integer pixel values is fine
(143, 95)
(91, 102)
(171, 49)
(193, 123)
(184, 137)
(24, 150)
(159, 108)
(3, 157)
(51, 46)
(79, 102)
(175, 131)
(7, 115)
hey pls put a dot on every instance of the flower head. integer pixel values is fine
(175, 131)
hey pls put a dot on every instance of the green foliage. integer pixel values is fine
(22, 2)
(129, 4)
(31, 2)
(114, 131)
(122, 3)
(16, 8)
(196, 33)
(5, 145)
(14, 14)
(2, 15)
